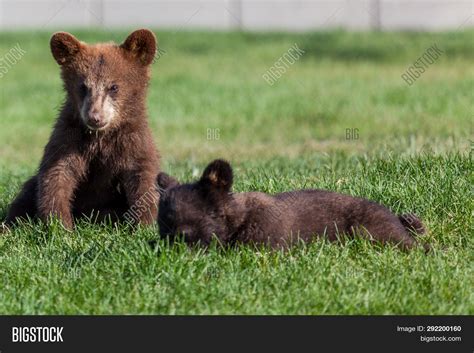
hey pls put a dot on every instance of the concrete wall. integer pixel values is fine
(292, 15)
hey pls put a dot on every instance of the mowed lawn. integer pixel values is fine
(408, 147)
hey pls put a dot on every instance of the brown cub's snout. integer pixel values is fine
(97, 116)
(95, 119)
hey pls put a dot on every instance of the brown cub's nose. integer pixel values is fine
(95, 120)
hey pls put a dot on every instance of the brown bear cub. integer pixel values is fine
(101, 160)
(207, 209)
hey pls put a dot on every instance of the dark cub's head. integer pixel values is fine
(106, 83)
(197, 211)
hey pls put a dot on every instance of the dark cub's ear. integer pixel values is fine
(165, 181)
(142, 45)
(218, 174)
(64, 47)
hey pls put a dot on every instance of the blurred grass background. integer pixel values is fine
(412, 154)
(212, 80)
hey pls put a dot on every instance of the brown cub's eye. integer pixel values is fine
(113, 89)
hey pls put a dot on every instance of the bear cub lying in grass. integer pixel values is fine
(100, 160)
(207, 208)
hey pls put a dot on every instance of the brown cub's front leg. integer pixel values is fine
(57, 180)
(24, 205)
(142, 196)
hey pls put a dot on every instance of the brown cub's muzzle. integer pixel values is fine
(96, 121)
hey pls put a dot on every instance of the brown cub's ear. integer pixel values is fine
(218, 174)
(64, 47)
(165, 181)
(142, 45)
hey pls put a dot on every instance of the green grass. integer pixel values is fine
(412, 154)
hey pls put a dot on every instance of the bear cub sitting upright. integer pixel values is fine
(207, 208)
(101, 160)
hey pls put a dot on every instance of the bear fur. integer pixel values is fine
(207, 208)
(100, 160)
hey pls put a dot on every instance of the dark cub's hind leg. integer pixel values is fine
(385, 227)
(24, 205)
(412, 223)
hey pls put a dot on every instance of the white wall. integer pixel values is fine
(244, 14)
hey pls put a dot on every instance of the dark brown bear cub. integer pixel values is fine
(101, 160)
(206, 208)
